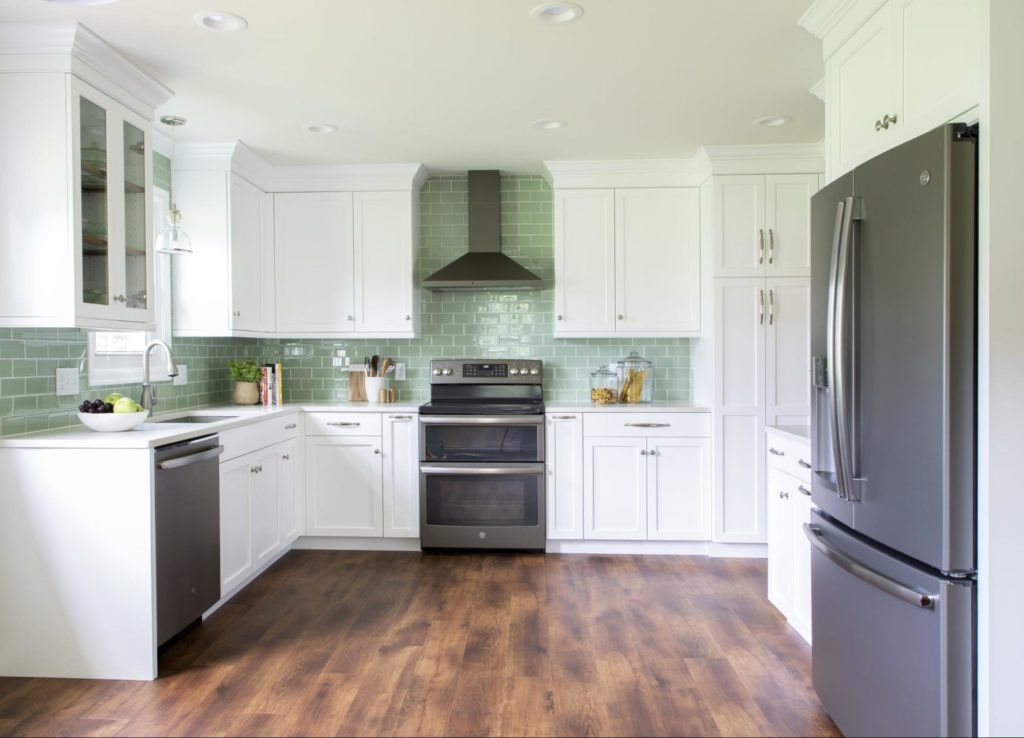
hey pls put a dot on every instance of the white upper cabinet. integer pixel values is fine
(788, 352)
(657, 261)
(584, 262)
(385, 298)
(627, 262)
(252, 257)
(76, 189)
(762, 225)
(895, 73)
(314, 257)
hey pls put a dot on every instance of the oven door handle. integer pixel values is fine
(481, 420)
(464, 469)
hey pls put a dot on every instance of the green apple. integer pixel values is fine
(125, 405)
(112, 398)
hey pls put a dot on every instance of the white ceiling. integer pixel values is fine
(455, 83)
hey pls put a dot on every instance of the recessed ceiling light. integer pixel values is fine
(548, 124)
(173, 120)
(321, 127)
(82, 2)
(557, 12)
(218, 20)
(773, 121)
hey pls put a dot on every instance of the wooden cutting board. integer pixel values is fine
(357, 386)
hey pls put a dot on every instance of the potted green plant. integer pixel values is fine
(246, 374)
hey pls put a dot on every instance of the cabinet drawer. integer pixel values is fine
(240, 441)
(640, 424)
(343, 424)
(788, 456)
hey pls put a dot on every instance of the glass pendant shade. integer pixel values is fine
(173, 239)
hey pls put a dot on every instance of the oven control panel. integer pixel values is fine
(480, 371)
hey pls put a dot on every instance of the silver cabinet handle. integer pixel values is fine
(760, 245)
(343, 424)
(803, 490)
(291, 426)
(803, 463)
(872, 577)
(211, 453)
(783, 495)
(120, 298)
(760, 311)
(771, 307)
(256, 469)
(776, 452)
(481, 469)
(648, 425)
(563, 417)
(771, 245)
(400, 417)
(480, 420)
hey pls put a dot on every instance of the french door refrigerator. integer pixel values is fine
(893, 440)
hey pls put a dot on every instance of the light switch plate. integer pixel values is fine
(67, 382)
(400, 371)
(182, 377)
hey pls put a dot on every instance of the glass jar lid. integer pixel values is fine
(603, 371)
(634, 360)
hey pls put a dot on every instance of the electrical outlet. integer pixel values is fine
(67, 382)
(182, 377)
(400, 371)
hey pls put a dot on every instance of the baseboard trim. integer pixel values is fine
(325, 543)
(662, 548)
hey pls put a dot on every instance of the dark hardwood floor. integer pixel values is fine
(335, 643)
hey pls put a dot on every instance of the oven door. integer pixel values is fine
(482, 439)
(482, 506)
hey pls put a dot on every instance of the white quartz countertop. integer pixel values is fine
(801, 433)
(652, 407)
(152, 434)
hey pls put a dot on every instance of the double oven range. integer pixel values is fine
(482, 456)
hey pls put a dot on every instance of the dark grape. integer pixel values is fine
(108, 407)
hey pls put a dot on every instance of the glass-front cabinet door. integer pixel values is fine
(113, 208)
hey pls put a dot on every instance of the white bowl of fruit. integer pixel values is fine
(113, 414)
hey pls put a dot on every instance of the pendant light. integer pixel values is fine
(173, 239)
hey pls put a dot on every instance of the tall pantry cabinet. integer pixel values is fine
(754, 367)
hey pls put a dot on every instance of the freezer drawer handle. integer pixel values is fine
(872, 577)
(210, 453)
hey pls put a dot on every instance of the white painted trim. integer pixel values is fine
(70, 47)
(823, 15)
(603, 174)
(661, 548)
(162, 143)
(806, 158)
(819, 89)
(324, 543)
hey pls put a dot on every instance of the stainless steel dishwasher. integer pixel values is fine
(187, 533)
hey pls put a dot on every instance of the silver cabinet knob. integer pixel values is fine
(776, 452)
(783, 495)
(558, 317)
(349, 318)
(237, 314)
(643, 452)
(408, 317)
(621, 316)
(286, 457)
(376, 450)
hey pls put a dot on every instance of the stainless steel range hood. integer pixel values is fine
(484, 266)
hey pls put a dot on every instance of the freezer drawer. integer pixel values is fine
(893, 645)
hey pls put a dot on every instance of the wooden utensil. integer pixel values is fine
(385, 366)
(357, 386)
(374, 363)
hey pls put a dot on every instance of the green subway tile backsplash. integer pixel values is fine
(454, 324)
(161, 171)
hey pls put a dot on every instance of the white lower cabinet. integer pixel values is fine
(564, 489)
(289, 522)
(678, 477)
(263, 494)
(789, 552)
(615, 489)
(401, 476)
(235, 549)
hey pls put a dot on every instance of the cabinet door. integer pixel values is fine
(657, 261)
(615, 489)
(383, 262)
(739, 245)
(584, 262)
(788, 352)
(235, 515)
(780, 540)
(942, 43)
(288, 521)
(864, 87)
(266, 534)
(678, 489)
(800, 601)
(564, 454)
(313, 254)
(136, 182)
(252, 259)
(788, 224)
(740, 318)
(344, 486)
(401, 476)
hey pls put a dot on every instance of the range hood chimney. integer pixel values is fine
(484, 267)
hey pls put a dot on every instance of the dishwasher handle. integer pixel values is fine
(210, 453)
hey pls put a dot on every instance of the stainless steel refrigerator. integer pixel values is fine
(893, 340)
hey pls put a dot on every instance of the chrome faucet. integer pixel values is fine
(148, 390)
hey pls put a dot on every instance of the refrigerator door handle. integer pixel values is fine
(840, 388)
(872, 577)
(837, 455)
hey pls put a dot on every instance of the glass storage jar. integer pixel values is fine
(604, 386)
(636, 379)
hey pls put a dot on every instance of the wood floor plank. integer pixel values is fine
(332, 643)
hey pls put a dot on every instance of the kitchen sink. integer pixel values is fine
(197, 419)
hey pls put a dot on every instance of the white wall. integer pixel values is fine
(1001, 357)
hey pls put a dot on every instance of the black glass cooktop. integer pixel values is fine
(454, 407)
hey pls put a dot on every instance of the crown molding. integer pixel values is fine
(624, 173)
(74, 49)
(823, 15)
(766, 159)
(819, 89)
